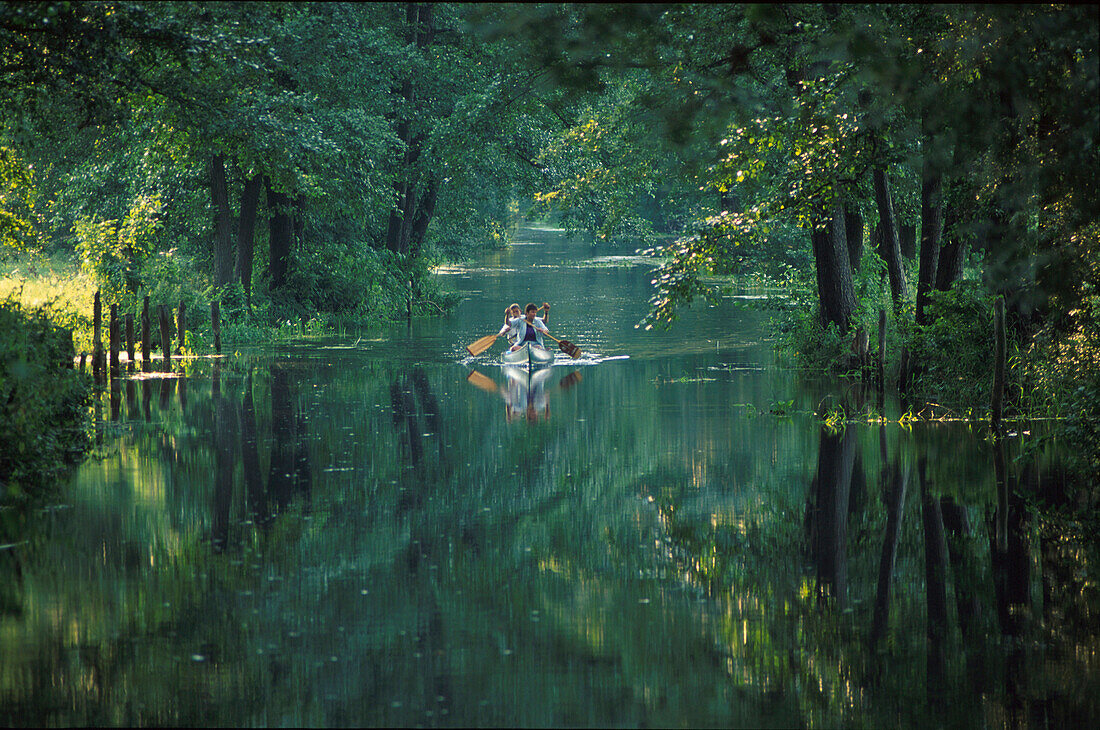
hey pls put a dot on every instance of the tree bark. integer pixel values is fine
(405, 218)
(281, 234)
(952, 253)
(853, 232)
(890, 246)
(834, 275)
(424, 214)
(931, 231)
(223, 222)
(246, 238)
(907, 240)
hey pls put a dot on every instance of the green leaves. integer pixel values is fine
(115, 251)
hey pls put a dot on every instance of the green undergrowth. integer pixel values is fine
(43, 402)
(328, 294)
(1052, 372)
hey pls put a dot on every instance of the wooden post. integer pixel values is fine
(130, 338)
(181, 327)
(97, 347)
(863, 345)
(216, 323)
(113, 329)
(903, 370)
(881, 348)
(997, 403)
(146, 337)
(165, 336)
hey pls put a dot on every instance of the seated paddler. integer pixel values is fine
(527, 328)
(512, 312)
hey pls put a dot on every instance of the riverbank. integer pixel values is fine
(945, 369)
(59, 287)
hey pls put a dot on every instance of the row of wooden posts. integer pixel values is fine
(117, 327)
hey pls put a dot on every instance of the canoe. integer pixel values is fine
(530, 354)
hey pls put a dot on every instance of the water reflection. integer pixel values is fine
(525, 392)
(347, 535)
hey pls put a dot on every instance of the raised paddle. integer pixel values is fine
(480, 346)
(566, 346)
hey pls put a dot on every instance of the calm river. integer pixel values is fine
(382, 531)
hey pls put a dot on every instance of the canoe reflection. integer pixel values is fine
(525, 394)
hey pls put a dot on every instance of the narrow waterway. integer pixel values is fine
(380, 530)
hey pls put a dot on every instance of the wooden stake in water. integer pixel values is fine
(166, 336)
(881, 375)
(146, 338)
(114, 341)
(97, 347)
(997, 404)
(181, 327)
(216, 323)
(130, 339)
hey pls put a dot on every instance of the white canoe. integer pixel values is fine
(530, 354)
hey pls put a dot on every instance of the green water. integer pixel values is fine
(661, 533)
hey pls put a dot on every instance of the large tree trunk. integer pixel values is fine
(246, 237)
(952, 253)
(282, 234)
(931, 231)
(834, 274)
(890, 248)
(907, 240)
(223, 223)
(405, 218)
(423, 217)
(853, 232)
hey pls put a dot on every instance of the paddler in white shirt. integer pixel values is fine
(512, 317)
(527, 328)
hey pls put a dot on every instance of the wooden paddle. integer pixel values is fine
(480, 346)
(566, 346)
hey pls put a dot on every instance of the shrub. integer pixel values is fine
(954, 353)
(42, 401)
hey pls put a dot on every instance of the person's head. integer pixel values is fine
(530, 311)
(513, 310)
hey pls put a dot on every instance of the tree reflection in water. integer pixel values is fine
(370, 544)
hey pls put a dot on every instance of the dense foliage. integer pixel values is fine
(314, 161)
(41, 401)
(316, 158)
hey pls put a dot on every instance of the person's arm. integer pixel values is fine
(546, 317)
(504, 330)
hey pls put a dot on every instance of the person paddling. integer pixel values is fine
(512, 312)
(528, 328)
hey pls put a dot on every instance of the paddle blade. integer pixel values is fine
(482, 381)
(480, 346)
(569, 348)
